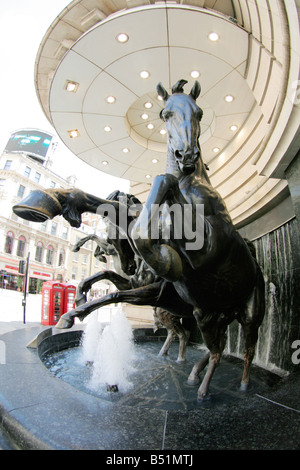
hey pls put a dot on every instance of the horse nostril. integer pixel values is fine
(196, 154)
(178, 155)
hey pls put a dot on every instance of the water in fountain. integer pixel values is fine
(275, 257)
(90, 338)
(111, 350)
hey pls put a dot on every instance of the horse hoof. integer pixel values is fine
(180, 361)
(193, 382)
(244, 387)
(203, 397)
(65, 322)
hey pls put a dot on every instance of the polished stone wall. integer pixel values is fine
(278, 254)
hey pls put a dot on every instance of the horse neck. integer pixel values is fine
(199, 173)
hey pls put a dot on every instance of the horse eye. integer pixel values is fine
(165, 114)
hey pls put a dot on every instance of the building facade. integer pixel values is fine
(48, 245)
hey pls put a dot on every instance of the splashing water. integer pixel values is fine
(90, 339)
(112, 351)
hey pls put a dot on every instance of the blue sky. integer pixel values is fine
(23, 24)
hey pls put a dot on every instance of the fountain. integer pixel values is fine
(113, 355)
(156, 405)
(278, 258)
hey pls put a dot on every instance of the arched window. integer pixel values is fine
(9, 242)
(61, 258)
(21, 246)
(39, 252)
(49, 254)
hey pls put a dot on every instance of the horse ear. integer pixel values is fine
(178, 87)
(195, 91)
(162, 92)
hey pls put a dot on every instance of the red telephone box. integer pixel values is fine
(52, 302)
(69, 297)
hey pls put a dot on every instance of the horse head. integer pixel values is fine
(182, 118)
(115, 238)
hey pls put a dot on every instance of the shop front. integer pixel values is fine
(37, 277)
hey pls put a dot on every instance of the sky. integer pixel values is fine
(23, 24)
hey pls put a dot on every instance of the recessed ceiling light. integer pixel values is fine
(122, 38)
(150, 126)
(144, 116)
(110, 99)
(72, 86)
(73, 133)
(154, 160)
(104, 163)
(160, 98)
(147, 176)
(229, 98)
(125, 150)
(216, 149)
(213, 36)
(107, 128)
(233, 128)
(144, 74)
(148, 105)
(163, 131)
(195, 74)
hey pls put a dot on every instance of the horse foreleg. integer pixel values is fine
(194, 377)
(162, 258)
(166, 346)
(85, 285)
(214, 360)
(141, 296)
(183, 342)
(174, 328)
(250, 320)
(212, 327)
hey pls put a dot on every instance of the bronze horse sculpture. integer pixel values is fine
(125, 277)
(214, 278)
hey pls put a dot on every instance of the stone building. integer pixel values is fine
(48, 244)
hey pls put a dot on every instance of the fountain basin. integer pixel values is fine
(41, 411)
(158, 382)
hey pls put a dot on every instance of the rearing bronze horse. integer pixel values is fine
(215, 277)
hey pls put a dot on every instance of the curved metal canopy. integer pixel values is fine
(98, 89)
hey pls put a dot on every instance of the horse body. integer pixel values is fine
(124, 279)
(222, 280)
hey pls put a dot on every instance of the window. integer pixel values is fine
(7, 165)
(83, 274)
(43, 226)
(74, 273)
(84, 259)
(49, 255)
(76, 256)
(39, 252)
(27, 172)
(9, 242)
(2, 182)
(52, 184)
(53, 228)
(37, 177)
(65, 233)
(61, 258)
(21, 191)
(21, 246)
